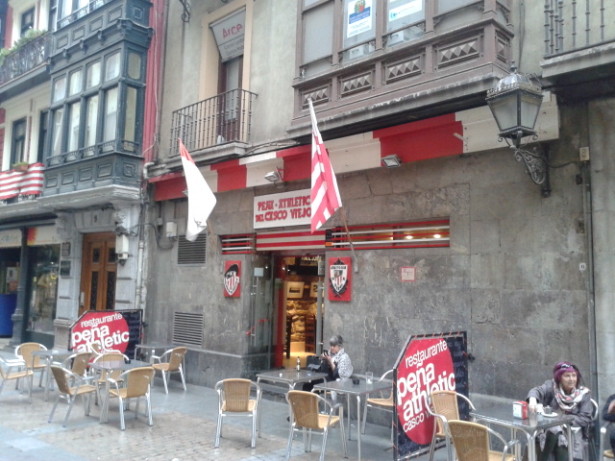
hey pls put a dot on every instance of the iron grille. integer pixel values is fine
(192, 253)
(188, 329)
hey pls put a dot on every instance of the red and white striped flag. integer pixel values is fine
(201, 199)
(325, 196)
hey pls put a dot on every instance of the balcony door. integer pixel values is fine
(229, 102)
(98, 272)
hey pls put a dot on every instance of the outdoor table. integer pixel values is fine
(501, 415)
(49, 356)
(114, 365)
(151, 348)
(290, 377)
(346, 386)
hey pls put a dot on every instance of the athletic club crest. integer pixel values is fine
(339, 279)
(232, 278)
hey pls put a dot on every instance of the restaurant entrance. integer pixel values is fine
(300, 314)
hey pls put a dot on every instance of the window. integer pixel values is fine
(74, 116)
(112, 67)
(42, 135)
(98, 102)
(131, 115)
(91, 121)
(56, 134)
(18, 147)
(110, 116)
(93, 75)
(59, 89)
(27, 21)
(75, 84)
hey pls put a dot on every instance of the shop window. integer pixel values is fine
(192, 253)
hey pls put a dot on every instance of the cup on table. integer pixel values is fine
(369, 377)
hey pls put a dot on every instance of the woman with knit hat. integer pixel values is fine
(564, 394)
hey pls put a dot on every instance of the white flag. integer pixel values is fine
(201, 199)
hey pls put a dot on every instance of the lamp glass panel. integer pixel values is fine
(505, 111)
(530, 106)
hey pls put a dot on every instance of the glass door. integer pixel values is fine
(260, 330)
(42, 289)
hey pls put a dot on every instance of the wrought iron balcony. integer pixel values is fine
(576, 25)
(225, 118)
(27, 57)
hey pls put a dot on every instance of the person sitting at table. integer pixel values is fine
(335, 362)
(338, 361)
(608, 414)
(565, 394)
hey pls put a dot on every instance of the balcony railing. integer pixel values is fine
(577, 24)
(225, 118)
(27, 57)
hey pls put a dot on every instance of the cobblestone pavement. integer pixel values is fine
(184, 430)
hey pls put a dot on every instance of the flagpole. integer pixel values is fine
(354, 255)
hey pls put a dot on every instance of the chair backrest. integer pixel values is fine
(25, 351)
(471, 440)
(445, 403)
(61, 376)
(235, 394)
(304, 406)
(113, 356)
(80, 362)
(176, 357)
(138, 381)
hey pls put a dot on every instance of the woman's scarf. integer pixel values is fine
(568, 401)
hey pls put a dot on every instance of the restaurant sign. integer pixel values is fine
(428, 363)
(285, 209)
(109, 330)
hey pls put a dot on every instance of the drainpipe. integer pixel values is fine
(588, 270)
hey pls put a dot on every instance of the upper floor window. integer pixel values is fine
(339, 32)
(18, 141)
(27, 21)
(97, 107)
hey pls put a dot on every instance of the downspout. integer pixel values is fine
(588, 269)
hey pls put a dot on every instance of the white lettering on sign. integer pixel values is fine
(286, 209)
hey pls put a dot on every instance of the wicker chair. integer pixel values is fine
(133, 384)
(383, 402)
(78, 362)
(236, 398)
(15, 370)
(472, 442)
(172, 361)
(444, 406)
(70, 386)
(306, 415)
(104, 375)
(25, 351)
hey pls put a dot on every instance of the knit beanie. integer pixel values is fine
(564, 367)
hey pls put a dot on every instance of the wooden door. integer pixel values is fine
(98, 272)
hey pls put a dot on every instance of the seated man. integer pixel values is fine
(608, 414)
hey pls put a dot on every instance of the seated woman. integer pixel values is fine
(564, 394)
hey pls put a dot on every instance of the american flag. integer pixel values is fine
(325, 196)
(201, 199)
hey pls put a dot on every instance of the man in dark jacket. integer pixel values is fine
(608, 414)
